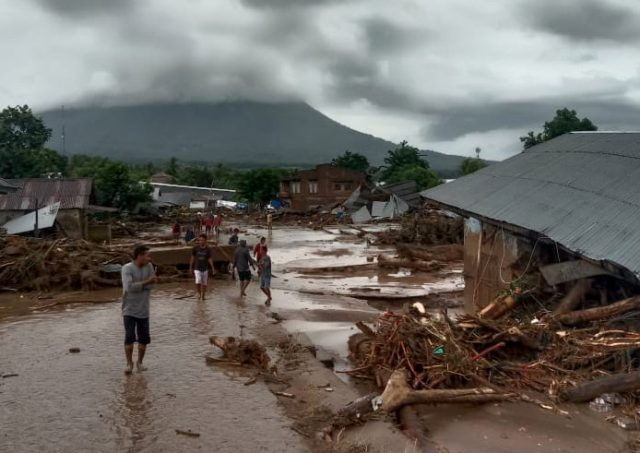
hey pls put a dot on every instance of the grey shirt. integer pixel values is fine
(265, 266)
(242, 259)
(135, 294)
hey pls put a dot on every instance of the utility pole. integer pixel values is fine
(478, 152)
(36, 232)
(64, 135)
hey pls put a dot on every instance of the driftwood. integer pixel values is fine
(594, 314)
(418, 265)
(247, 352)
(586, 391)
(398, 393)
(500, 306)
(573, 298)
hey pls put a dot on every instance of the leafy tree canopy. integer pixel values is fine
(21, 130)
(114, 184)
(470, 165)
(401, 157)
(425, 178)
(352, 161)
(261, 185)
(565, 121)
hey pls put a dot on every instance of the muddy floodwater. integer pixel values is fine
(54, 400)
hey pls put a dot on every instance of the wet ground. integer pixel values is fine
(72, 402)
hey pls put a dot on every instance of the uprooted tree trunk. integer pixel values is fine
(248, 352)
(398, 393)
(586, 391)
(593, 314)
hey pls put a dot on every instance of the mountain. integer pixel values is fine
(236, 133)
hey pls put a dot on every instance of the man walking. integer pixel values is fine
(242, 261)
(137, 278)
(265, 274)
(201, 259)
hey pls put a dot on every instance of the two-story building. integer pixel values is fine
(325, 184)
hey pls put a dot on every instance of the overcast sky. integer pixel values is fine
(447, 75)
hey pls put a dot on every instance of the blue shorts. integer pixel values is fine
(265, 281)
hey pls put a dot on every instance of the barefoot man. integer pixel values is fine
(242, 261)
(137, 278)
(201, 259)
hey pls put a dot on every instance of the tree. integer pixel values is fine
(425, 178)
(22, 140)
(21, 130)
(352, 161)
(470, 165)
(261, 185)
(565, 121)
(172, 167)
(402, 156)
(115, 186)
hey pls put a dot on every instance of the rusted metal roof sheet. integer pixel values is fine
(581, 190)
(72, 193)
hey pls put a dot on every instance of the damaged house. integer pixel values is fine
(324, 185)
(73, 198)
(569, 207)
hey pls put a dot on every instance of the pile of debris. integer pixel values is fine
(427, 226)
(573, 356)
(36, 264)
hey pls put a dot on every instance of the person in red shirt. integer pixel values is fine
(217, 221)
(208, 224)
(258, 250)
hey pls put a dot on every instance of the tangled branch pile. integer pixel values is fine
(512, 353)
(37, 264)
(427, 227)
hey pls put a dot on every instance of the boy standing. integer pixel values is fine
(201, 259)
(137, 278)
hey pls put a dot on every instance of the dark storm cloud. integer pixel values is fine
(283, 4)
(612, 114)
(585, 20)
(76, 8)
(383, 35)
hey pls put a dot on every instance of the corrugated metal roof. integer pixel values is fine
(407, 191)
(580, 190)
(72, 193)
(6, 187)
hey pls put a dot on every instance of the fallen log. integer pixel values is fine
(398, 393)
(418, 265)
(594, 314)
(586, 391)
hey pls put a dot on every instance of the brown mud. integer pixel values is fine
(62, 401)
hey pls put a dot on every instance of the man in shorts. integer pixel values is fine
(269, 221)
(137, 278)
(265, 274)
(201, 259)
(217, 223)
(242, 261)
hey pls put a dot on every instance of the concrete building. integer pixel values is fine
(325, 184)
(74, 194)
(571, 205)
